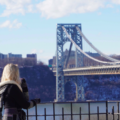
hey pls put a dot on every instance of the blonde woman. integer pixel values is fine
(14, 94)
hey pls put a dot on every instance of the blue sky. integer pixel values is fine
(29, 26)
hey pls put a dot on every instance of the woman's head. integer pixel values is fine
(11, 72)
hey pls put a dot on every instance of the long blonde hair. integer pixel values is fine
(11, 72)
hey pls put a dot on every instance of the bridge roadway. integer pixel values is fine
(92, 70)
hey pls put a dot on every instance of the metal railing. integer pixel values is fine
(80, 114)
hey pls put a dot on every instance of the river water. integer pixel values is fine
(75, 110)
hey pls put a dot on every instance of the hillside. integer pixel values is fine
(42, 84)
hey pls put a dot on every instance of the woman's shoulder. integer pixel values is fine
(12, 88)
(8, 88)
(11, 84)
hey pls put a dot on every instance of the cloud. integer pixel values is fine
(99, 13)
(9, 24)
(37, 51)
(117, 10)
(30, 8)
(41, 51)
(14, 6)
(116, 1)
(109, 6)
(109, 53)
(56, 9)
(40, 56)
(44, 58)
(99, 33)
(34, 51)
(60, 8)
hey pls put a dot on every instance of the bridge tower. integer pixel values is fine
(61, 40)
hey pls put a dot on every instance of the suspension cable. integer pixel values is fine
(102, 54)
(84, 52)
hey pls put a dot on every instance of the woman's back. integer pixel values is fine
(13, 96)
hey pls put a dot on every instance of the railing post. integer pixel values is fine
(53, 111)
(89, 110)
(118, 109)
(45, 113)
(106, 110)
(113, 111)
(62, 113)
(71, 112)
(36, 111)
(80, 113)
(97, 112)
(27, 114)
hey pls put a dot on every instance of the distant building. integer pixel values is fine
(72, 53)
(50, 61)
(30, 60)
(71, 62)
(93, 54)
(3, 56)
(32, 56)
(10, 55)
(54, 60)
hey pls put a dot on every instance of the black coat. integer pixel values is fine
(14, 97)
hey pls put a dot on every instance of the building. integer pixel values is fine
(30, 60)
(93, 54)
(10, 55)
(50, 62)
(32, 56)
(1, 56)
(54, 60)
(71, 62)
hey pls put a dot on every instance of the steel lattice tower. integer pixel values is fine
(61, 40)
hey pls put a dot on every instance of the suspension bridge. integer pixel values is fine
(72, 33)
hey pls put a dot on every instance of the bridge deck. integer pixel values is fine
(98, 70)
